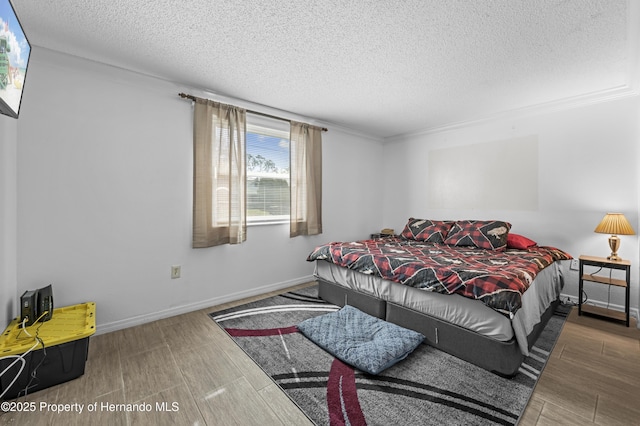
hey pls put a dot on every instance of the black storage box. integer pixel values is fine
(66, 346)
(62, 363)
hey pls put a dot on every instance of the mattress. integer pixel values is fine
(464, 312)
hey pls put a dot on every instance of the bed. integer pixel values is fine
(474, 289)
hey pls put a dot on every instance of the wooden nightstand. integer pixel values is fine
(377, 235)
(604, 263)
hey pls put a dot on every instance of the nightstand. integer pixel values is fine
(378, 235)
(386, 232)
(604, 263)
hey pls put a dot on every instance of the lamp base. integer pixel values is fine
(614, 245)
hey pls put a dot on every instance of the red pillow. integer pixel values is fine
(519, 242)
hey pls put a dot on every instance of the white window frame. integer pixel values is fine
(270, 127)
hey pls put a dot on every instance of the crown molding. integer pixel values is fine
(608, 95)
(285, 115)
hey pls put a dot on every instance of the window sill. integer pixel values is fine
(265, 222)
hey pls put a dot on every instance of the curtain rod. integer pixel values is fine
(193, 98)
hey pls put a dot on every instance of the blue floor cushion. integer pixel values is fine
(361, 340)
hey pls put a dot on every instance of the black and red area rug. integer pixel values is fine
(429, 387)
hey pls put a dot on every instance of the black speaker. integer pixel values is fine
(36, 305)
(28, 307)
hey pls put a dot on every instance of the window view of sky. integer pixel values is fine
(269, 147)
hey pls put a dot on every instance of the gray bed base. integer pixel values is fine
(503, 358)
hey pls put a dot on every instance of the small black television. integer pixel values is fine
(14, 59)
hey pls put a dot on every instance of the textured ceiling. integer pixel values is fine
(383, 67)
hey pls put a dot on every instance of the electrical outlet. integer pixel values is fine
(574, 264)
(175, 271)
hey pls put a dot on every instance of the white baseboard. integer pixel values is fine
(201, 304)
(633, 312)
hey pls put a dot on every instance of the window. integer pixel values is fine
(267, 151)
(281, 183)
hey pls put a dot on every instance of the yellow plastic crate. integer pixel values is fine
(67, 324)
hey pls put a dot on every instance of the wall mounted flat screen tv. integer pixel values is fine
(14, 58)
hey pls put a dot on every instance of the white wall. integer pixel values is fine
(101, 193)
(8, 219)
(588, 165)
(104, 198)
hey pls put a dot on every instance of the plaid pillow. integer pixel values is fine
(485, 234)
(432, 231)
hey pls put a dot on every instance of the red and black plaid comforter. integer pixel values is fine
(498, 278)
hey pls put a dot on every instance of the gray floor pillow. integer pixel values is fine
(361, 340)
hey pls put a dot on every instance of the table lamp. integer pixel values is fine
(614, 224)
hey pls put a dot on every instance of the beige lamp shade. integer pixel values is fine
(614, 224)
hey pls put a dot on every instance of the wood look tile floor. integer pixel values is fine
(591, 378)
(186, 371)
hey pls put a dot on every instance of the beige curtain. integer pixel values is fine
(306, 179)
(219, 212)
